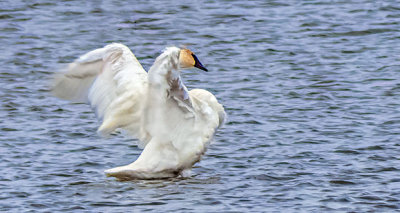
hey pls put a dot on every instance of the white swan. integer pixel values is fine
(173, 124)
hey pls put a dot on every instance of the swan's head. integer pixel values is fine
(187, 59)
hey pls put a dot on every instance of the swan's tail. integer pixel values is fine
(158, 160)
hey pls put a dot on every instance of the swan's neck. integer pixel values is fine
(165, 69)
(165, 82)
(161, 110)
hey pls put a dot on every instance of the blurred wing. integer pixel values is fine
(74, 83)
(113, 81)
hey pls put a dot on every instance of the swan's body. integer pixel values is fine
(172, 124)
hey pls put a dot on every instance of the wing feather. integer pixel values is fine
(112, 80)
(206, 103)
(74, 83)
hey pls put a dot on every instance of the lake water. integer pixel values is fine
(311, 89)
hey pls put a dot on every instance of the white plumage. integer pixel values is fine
(173, 125)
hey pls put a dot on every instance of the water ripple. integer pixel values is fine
(310, 89)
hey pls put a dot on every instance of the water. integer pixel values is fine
(311, 89)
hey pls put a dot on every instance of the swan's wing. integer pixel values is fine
(113, 81)
(75, 81)
(207, 106)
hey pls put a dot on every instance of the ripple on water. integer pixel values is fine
(310, 94)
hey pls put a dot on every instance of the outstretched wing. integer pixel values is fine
(114, 83)
(75, 81)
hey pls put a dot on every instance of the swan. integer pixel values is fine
(173, 125)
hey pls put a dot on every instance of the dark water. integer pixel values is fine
(311, 88)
